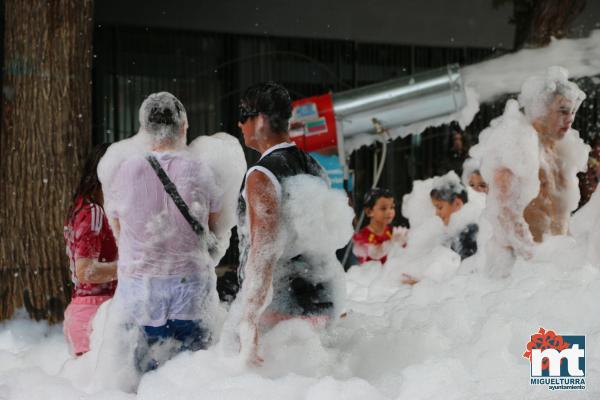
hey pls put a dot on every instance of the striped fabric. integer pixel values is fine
(97, 217)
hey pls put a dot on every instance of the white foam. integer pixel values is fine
(224, 154)
(314, 221)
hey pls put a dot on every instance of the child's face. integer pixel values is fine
(477, 183)
(444, 209)
(383, 212)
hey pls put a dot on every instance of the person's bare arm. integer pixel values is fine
(90, 270)
(212, 221)
(510, 221)
(213, 235)
(115, 227)
(263, 213)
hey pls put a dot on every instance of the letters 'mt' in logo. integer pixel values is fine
(547, 352)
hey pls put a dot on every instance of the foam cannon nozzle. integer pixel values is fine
(324, 121)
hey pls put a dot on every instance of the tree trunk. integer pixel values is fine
(522, 15)
(537, 21)
(553, 18)
(46, 132)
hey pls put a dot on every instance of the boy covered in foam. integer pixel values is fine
(448, 196)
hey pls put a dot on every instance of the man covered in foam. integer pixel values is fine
(530, 161)
(168, 284)
(291, 223)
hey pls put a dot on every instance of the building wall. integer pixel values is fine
(471, 23)
(428, 22)
(207, 71)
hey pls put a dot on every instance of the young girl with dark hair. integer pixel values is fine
(373, 242)
(92, 252)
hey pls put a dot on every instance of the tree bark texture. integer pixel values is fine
(537, 21)
(553, 18)
(46, 133)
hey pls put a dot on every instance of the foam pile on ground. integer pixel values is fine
(462, 338)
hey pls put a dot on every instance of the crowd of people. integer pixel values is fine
(520, 213)
(160, 208)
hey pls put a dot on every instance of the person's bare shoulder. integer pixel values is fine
(259, 185)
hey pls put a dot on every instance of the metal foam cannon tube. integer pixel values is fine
(399, 102)
(319, 122)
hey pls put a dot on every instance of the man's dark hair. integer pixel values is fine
(455, 127)
(270, 99)
(375, 194)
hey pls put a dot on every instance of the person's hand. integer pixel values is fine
(408, 280)
(400, 236)
(526, 252)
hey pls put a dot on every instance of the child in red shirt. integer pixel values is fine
(373, 242)
(92, 252)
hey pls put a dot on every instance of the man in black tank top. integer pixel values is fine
(265, 110)
(290, 161)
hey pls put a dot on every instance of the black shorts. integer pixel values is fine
(309, 298)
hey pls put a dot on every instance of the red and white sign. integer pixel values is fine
(312, 125)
